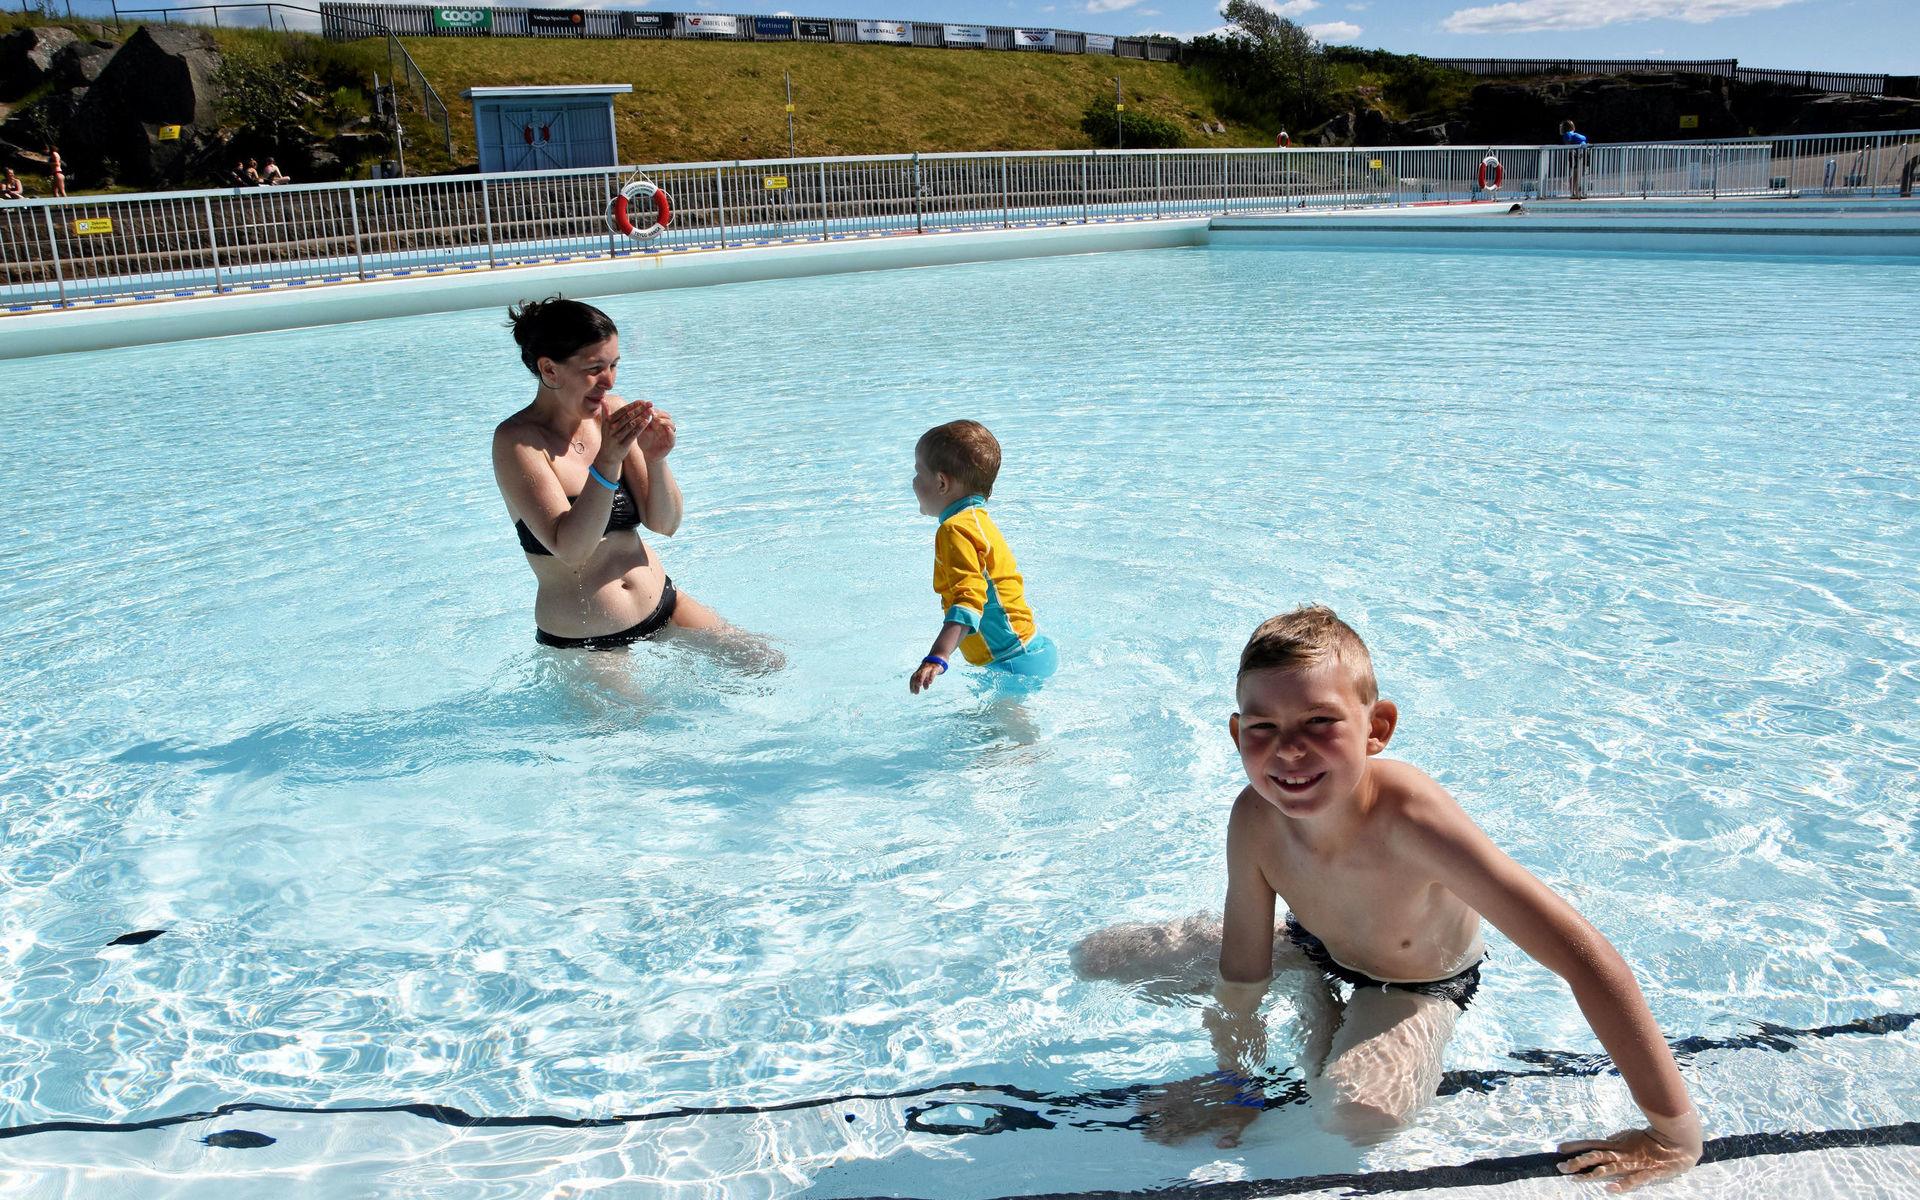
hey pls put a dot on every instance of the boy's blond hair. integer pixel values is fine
(965, 452)
(1307, 637)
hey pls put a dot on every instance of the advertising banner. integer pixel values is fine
(633, 22)
(887, 31)
(463, 18)
(721, 23)
(557, 20)
(1033, 39)
(964, 35)
(1099, 43)
(814, 29)
(773, 27)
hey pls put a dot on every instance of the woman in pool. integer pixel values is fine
(581, 469)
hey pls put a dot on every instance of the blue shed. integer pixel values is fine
(545, 128)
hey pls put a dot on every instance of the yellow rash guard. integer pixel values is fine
(979, 583)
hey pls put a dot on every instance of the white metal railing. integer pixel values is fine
(86, 250)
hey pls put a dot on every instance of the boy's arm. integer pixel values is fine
(962, 585)
(1459, 856)
(1224, 1102)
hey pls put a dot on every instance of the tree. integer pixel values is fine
(1272, 70)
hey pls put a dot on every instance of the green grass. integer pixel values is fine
(705, 101)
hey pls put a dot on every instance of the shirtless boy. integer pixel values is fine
(1386, 879)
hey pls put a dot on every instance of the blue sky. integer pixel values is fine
(1828, 35)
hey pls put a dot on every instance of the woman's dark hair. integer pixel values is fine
(556, 328)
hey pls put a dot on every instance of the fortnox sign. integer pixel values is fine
(463, 18)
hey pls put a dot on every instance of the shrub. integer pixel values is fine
(1103, 125)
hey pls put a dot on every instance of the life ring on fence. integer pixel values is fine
(1283, 141)
(1491, 173)
(640, 195)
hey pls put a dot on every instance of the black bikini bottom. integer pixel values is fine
(1457, 988)
(655, 622)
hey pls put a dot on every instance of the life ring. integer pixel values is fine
(1283, 141)
(1491, 173)
(640, 194)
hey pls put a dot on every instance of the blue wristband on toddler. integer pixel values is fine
(594, 474)
(937, 661)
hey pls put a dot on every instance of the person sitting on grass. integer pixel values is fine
(273, 174)
(1387, 880)
(11, 188)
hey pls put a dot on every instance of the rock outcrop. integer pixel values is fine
(27, 57)
(160, 77)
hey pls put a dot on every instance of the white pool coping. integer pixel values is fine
(1891, 230)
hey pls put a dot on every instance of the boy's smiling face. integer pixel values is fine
(1305, 734)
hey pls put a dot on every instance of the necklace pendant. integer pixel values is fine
(580, 446)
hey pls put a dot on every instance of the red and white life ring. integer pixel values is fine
(1491, 174)
(640, 195)
(1283, 141)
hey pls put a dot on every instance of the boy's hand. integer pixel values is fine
(922, 677)
(1211, 1103)
(1636, 1156)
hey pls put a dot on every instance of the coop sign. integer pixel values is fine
(463, 18)
(86, 225)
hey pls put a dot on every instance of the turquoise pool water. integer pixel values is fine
(1633, 541)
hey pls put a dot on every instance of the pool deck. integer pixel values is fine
(1757, 226)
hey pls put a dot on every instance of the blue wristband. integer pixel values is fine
(937, 661)
(594, 474)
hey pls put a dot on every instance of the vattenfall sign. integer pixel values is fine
(463, 18)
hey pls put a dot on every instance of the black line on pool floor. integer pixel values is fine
(1281, 1092)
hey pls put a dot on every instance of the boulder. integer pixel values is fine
(26, 58)
(79, 64)
(161, 76)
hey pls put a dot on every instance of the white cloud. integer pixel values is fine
(1532, 16)
(1289, 8)
(1106, 6)
(1334, 31)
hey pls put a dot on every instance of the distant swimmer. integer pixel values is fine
(982, 593)
(1518, 210)
(1576, 142)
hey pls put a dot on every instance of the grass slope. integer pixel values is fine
(702, 101)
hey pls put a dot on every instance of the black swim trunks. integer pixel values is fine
(1457, 988)
(654, 623)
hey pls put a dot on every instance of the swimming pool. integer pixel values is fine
(1632, 539)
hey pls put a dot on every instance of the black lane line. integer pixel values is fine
(1281, 1091)
(1484, 1172)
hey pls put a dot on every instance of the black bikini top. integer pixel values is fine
(625, 515)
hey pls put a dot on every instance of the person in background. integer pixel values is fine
(58, 170)
(1576, 161)
(11, 188)
(274, 175)
(253, 173)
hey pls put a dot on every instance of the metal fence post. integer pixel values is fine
(1159, 193)
(1006, 197)
(486, 215)
(823, 201)
(359, 249)
(1223, 182)
(53, 247)
(213, 243)
(919, 198)
(720, 202)
(1873, 169)
(1086, 189)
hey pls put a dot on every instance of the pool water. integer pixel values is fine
(1632, 540)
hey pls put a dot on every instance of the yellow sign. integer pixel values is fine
(1689, 121)
(773, 183)
(169, 133)
(1375, 163)
(1119, 108)
(789, 108)
(93, 225)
